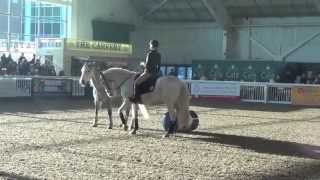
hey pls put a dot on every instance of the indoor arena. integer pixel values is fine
(160, 89)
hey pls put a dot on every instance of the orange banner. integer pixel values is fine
(309, 96)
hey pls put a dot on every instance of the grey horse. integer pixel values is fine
(99, 94)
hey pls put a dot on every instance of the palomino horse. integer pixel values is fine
(90, 73)
(168, 90)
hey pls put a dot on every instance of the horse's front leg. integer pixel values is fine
(134, 119)
(124, 106)
(97, 107)
(173, 119)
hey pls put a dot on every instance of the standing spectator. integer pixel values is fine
(8, 59)
(3, 60)
(52, 70)
(21, 58)
(317, 79)
(33, 60)
(37, 67)
(25, 68)
(12, 68)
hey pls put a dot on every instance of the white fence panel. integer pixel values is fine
(253, 92)
(24, 87)
(279, 93)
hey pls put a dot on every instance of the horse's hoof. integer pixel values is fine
(94, 125)
(110, 127)
(133, 132)
(125, 128)
(166, 135)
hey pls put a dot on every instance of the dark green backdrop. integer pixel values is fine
(251, 71)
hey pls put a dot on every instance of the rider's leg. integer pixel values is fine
(143, 77)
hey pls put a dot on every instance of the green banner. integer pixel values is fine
(249, 71)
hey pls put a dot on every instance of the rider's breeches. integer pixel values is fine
(143, 77)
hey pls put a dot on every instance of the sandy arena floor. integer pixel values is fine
(53, 139)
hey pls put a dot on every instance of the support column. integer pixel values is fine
(27, 21)
(217, 10)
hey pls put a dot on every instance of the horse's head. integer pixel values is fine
(87, 72)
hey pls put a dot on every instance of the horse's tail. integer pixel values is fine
(182, 105)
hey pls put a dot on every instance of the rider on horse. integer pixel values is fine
(152, 68)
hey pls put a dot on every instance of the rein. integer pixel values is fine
(106, 82)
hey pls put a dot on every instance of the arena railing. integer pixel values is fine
(258, 92)
(15, 86)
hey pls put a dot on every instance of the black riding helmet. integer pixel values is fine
(154, 43)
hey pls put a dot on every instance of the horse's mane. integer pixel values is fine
(117, 70)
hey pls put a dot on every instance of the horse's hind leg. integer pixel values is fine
(134, 119)
(110, 116)
(125, 105)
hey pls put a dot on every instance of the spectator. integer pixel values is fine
(317, 79)
(47, 69)
(310, 77)
(298, 80)
(61, 73)
(33, 60)
(21, 58)
(172, 72)
(37, 68)
(24, 67)
(3, 60)
(12, 68)
(303, 78)
(8, 59)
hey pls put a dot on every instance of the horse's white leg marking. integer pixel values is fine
(110, 115)
(134, 118)
(97, 107)
(124, 106)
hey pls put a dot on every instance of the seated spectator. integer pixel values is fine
(61, 73)
(303, 78)
(298, 80)
(277, 78)
(310, 77)
(317, 79)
